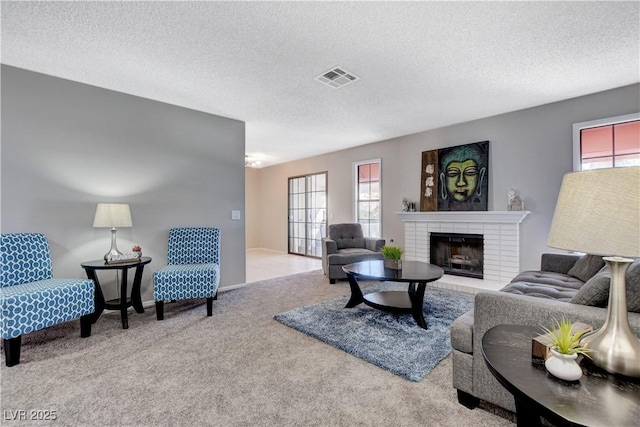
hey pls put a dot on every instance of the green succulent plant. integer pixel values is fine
(564, 339)
(392, 252)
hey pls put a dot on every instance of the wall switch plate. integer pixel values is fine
(235, 214)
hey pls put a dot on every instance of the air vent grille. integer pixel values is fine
(337, 77)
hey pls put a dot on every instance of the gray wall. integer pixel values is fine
(67, 146)
(253, 209)
(530, 150)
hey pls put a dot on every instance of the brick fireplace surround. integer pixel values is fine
(501, 231)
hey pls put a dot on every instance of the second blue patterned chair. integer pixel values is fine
(31, 299)
(193, 269)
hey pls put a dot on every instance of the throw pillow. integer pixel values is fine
(595, 291)
(586, 267)
(633, 286)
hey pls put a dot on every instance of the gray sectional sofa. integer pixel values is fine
(566, 285)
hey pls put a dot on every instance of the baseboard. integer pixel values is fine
(266, 249)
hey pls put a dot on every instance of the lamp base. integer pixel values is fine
(114, 247)
(614, 347)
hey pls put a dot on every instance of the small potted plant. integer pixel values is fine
(392, 257)
(137, 251)
(565, 348)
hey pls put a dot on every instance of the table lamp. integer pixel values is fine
(598, 212)
(112, 215)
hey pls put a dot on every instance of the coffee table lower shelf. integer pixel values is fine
(391, 301)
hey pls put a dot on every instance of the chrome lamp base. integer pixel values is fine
(614, 347)
(114, 247)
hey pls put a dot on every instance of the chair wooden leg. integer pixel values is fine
(160, 310)
(85, 325)
(12, 350)
(210, 305)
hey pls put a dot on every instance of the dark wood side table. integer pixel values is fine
(416, 273)
(597, 399)
(122, 303)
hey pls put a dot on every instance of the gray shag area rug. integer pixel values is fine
(392, 342)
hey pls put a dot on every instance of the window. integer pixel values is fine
(368, 197)
(607, 143)
(307, 214)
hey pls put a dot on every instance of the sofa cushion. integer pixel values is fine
(351, 255)
(596, 291)
(549, 278)
(538, 290)
(347, 235)
(37, 305)
(462, 333)
(586, 267)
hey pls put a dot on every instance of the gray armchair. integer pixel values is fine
(346, 244)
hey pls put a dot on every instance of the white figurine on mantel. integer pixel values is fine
(514, 202)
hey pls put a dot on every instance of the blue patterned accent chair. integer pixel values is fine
(31, 299)
(193, 269)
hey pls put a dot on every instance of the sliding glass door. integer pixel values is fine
(307, 214)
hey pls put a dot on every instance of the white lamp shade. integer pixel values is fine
(598, 212)
(112, 215)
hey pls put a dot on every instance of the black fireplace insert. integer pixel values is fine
(458, 254)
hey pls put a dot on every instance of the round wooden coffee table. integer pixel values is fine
(416, 273)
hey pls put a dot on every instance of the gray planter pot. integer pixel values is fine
(394, 264)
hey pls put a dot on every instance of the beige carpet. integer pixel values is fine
(237, 368)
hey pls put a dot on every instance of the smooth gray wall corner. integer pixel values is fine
(67, 146)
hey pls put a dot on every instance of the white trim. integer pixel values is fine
(503, 217)
(354, 187)
(577, 127)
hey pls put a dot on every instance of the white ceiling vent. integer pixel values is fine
(337, 77)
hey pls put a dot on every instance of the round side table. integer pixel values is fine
(122, 303)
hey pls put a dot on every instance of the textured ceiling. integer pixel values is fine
(422, 65)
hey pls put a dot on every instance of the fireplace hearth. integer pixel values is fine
(458, 254)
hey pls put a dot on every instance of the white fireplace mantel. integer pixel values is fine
(500, 231)
(502, 217)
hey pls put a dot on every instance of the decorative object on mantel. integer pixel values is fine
(408, 205)
(429, 181)
(565, 347)
(392, 257)
(514, 201)
(597, 213)
(455, 178)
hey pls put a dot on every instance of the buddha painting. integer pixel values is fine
(463, 177)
